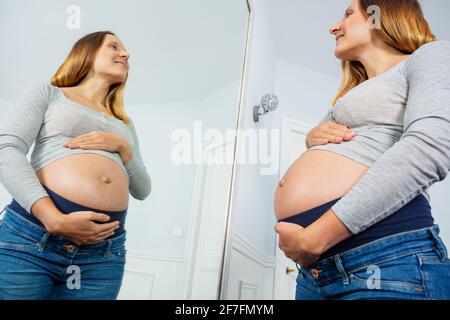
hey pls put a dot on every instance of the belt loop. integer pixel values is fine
(441, 250)
(1, 213)
(43, 240)
(341, 269)
(108, 249)
(300, 271)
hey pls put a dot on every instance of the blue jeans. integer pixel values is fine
(409, 265)
(35, 264)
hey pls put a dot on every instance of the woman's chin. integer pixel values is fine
(114, 79)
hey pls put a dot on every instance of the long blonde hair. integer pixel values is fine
(403, 27)
(77, 65)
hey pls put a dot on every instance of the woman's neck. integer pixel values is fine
(380, 59)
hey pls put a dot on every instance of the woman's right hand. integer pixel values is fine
(80, 227)
(328, 132)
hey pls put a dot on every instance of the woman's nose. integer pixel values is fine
(125, 54)
(334, 29)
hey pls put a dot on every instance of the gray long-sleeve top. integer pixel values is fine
(45, 116)
(402, 123)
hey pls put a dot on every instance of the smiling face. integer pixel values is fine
(353, 34)
(111, 61)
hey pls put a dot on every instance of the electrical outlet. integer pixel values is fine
(177, 232)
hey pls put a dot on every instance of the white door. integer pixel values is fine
(293, 135)
(205, 252)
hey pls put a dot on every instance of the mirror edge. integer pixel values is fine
(244, 85)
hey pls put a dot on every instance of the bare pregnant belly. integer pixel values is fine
(315, 178)
(88, 179)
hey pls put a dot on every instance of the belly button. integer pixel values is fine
(106, 179)
(282, 182)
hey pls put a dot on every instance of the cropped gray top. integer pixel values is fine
(401, 118)
(44, 115)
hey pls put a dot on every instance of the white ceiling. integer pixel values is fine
(179, 50)
(302, 36)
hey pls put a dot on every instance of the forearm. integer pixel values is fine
(20, 180)
(17, 175)
(124, 151)
(45, 210)
(139, 180)
(325, 232)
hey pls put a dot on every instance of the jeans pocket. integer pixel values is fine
(399, 274)
(435, 272)
(431, 257)
(11, 239)
(118, 251)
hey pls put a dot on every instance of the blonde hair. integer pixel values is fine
(403, 27)
(77, 65)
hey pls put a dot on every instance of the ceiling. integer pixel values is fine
(179, 50)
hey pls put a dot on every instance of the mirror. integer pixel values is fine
(182, 93)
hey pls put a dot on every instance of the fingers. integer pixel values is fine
(339, 132)
(84, 139)
(103, 235)
(81, 144)
(319, 141)
(79, 139)
(95, 216)
(334, 132)
(325, 137)
(97, 237)
(331, 138)
(96, 146)
(107, 227)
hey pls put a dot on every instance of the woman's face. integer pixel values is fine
(111, 61)
(353, 34)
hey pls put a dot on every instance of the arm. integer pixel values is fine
(18, 130)
(139, 179)
(420, 158)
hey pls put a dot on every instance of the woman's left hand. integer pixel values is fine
(102, 140)
(295, 244)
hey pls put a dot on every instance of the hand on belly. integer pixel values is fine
(315, 178)
(88, 179)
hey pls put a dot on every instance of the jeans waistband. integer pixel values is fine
(27, 229)
(378, 251)
(66, 206)
(415, 215)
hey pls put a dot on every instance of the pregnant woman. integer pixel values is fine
(354, 210)
(63, 235)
